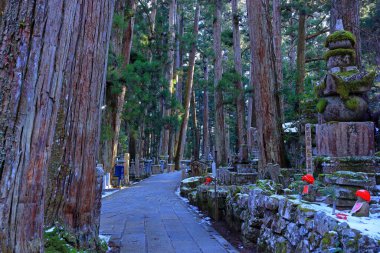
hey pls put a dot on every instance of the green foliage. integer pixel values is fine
(352, 103)
(321, 105)
(59, 241)
(340, 51)
(229, 78)
(106, 132)
(227, 37)
(339, 36)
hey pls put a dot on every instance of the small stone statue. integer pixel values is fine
(361, 207)
(308, 192)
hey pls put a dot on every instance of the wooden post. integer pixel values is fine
(126, 168)
(309, 149)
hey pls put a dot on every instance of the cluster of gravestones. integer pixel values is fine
(345, 138)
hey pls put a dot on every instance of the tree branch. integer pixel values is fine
(312, 36)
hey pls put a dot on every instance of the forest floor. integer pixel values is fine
(150, 217)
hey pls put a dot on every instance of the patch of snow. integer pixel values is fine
(369, 226)
(50, 229)
(191, 179)
(289, 127)
(108, 193)
(178, 193)
(105, 238)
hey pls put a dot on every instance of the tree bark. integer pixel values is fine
(240, 104)
(169, 76)
(349, 12)
(178, 64)
(264, 73)
(301, 48)
(188, 91)
(34, 38)
(220, 144)
(197, 138)
(84, 83)
(206, 138)
(276, 5)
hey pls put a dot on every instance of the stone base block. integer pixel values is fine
(156, 169)
(366, 164)
(345, 139)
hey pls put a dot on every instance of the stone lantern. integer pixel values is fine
(345, 137)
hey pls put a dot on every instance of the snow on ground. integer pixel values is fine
(50, 229)
(108, 193)
(289, 127)
(204, 219)
(105, 238)
(369, 226)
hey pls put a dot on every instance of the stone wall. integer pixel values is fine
(278, 223)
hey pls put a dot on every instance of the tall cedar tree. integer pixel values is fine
(265, 77)
(240, 104)
(78, 207)
(188, 92)
(220, 132)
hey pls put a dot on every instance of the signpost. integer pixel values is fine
(309, 149)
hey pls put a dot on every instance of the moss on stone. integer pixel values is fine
(352, 103)
(321, 105)
(347, 73)
(339, 36)
(345, 87)
(280, 247)
(340, 51)
(305, 210)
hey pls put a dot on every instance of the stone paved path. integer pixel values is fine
(150, 217)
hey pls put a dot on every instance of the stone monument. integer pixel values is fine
(344, 136)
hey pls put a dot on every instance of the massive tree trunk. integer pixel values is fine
(74, 173)
(240, 104)
(349, 12)
(220, 144)
(301, 48)
(266, 80)
(206, 138)
(121, 43)
(34, 36)
(188, 91)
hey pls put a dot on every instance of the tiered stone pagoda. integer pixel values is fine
(345, 138)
